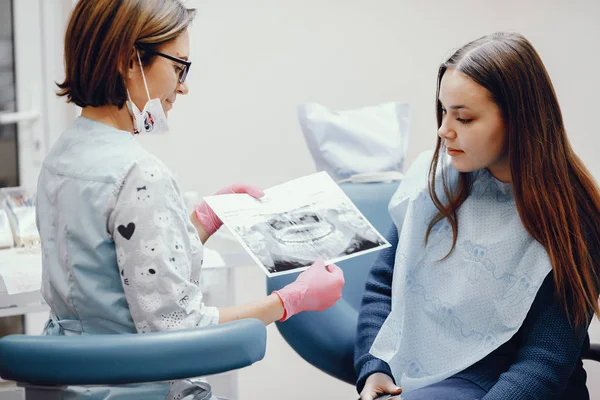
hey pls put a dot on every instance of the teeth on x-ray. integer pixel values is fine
(296, 239)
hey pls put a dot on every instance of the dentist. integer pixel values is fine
(120, 252)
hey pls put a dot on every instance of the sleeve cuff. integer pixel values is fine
(210, 317)
(369, 368)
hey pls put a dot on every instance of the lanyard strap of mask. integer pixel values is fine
(143, 75)
(152, 118)
(136, 114)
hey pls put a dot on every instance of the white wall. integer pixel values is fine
(253, 61)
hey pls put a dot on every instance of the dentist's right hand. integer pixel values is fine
(316, 289)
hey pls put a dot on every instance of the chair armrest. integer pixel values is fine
(593, 353)
(132, 358)
(325, 339)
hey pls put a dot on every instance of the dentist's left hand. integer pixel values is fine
(207, 218)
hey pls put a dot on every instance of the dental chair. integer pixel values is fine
(45, 364)
(326, 339)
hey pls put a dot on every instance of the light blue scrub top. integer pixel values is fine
(82, 283)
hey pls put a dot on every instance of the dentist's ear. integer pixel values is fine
(131, 67)
(135, 60)
(127, 64)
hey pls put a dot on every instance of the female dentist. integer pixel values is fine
(120, 253)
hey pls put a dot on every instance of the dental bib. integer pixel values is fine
(447, 314)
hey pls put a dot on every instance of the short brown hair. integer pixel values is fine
(101, 39)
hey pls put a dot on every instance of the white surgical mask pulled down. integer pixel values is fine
(152, 118)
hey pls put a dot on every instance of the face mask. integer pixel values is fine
(152, 118)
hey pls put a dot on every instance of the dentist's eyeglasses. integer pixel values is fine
(186, 64)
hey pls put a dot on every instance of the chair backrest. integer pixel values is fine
(326, 339)
(372, 200)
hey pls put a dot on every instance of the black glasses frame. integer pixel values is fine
(186, 64)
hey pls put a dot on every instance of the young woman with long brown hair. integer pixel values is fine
(492, 282)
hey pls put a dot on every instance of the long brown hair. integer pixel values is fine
(101, 40)
(557, 199)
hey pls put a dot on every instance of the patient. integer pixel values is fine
(490, 284)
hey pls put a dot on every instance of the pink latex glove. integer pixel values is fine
(206, 216)
(315, 289)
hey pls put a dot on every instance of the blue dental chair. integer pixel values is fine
(44, 364)
(326, 339)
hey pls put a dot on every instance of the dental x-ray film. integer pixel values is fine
(296, 223)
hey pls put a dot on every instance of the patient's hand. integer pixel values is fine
(378, 384)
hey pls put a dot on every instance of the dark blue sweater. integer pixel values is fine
(542, 361)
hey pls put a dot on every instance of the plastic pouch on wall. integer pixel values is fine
(6, 237)
(19, 206)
